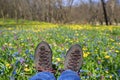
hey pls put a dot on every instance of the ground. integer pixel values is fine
(100, 44)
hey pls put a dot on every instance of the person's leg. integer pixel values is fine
(69, 75)
(43, 76)
(43, 62)
(73, 63)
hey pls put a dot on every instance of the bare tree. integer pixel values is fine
(58, 11)
(105, 13)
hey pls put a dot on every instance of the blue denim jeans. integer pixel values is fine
(66, 75)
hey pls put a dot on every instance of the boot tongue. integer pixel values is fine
(42, 48)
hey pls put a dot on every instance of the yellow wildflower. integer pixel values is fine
(110, 76)
(112, 47)
(84, 48)
(26, 69)
(62, 48)
(71, 41)
(22, 44)
(88, 53)
(53, 57)
(76, 34)
(8, 65)
(54, 44)
(9, 28)
(21, 39)
(106, 71)
(116, 51)
(107, 57)
(6, 44)
(66, 39)
(58, 59)
(85, 55)
(112, 40)
(10, 44)
(26, 65)
(28, 37)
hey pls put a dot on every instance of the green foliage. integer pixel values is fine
(101, 47)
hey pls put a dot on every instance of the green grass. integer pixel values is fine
(101, 48)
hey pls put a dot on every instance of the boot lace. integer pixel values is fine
(44, 62)
(74, 61)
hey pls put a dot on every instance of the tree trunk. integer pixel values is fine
(104, 11)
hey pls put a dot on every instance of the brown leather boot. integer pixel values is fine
(43, 57)
(74, 58)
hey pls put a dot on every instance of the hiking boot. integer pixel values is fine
(43, 57)
(74, 58)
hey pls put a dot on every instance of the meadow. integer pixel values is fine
(100, 44)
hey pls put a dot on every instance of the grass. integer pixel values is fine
(100, 44)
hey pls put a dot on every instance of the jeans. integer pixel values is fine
(66, 75)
